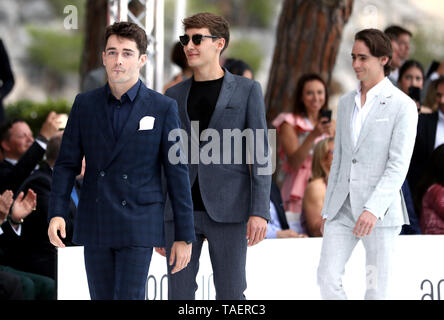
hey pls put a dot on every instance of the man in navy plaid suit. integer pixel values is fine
(122, 130)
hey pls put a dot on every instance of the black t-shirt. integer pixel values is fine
(200, 106)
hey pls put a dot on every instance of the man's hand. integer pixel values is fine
(6, 199)
(57, 224)
(365, 224)
(256, 230)
(23, 206)
(161, 251)
(51, 125)
(323, 225)
(180, 254)
(289, 233)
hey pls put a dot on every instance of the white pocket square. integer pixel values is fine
(382, 120)
(146, 123)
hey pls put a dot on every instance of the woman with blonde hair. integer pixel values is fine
(314, 193)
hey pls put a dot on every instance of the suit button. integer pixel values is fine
(125, 177)
(354, 161)
(102, 173)
(123, 203)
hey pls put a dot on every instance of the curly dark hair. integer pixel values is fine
(130, 31)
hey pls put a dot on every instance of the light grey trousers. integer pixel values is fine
(337, 246)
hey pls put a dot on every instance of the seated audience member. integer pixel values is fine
(430, 134)
(33, 286)
(179, 58)
(298, 131)
(10, 287)
(239, 67)
(278, 225)
(431, 194)
(35, 253)
(411, 75)
(316, 188)
(21, 152)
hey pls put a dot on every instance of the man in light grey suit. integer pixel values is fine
(375, 135)
(231, 192)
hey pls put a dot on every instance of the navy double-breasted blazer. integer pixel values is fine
(122, 202)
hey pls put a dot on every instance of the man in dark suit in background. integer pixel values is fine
(278, 225)
(34, 253)
(122, 130)
(6, 79)
(430, 134)
(21, 151)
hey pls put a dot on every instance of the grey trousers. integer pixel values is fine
(337, 246)
(227, 247)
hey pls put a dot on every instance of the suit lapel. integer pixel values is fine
(382, 102)
(138, 110)
(102, 114)
(349, 106)
(226, 92)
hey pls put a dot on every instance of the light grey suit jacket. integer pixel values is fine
(230, 192)
(373, 171)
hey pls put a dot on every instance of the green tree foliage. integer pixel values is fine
(35, 113)
(246, 50)
(57, 51)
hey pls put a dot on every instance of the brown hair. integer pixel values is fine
(299, 107)
(130, 31)
(379, 45)
(217, 25)
(396, 31)
(319, 153)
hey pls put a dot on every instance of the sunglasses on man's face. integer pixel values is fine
(196, 38)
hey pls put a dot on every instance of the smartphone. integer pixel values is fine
(415, 93)
(325, 113)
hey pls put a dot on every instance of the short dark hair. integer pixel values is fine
(178, 56)
(4, 130)
(379, 45)
(130, 31)
(217, 25)
(53, 147)
(395, 31)
(236, 66)
(410, 64)
(299, 106)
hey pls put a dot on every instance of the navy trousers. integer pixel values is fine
(227, 245)
(117, 273)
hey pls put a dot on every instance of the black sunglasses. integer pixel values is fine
(196, 38)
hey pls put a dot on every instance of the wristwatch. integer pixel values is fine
(15, 222)
(188, 242)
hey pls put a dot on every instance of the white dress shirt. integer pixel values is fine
(439, 139)
(360, 113)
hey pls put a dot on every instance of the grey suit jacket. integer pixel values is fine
(231, 191)
(373, 171)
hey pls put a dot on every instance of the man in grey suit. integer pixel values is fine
(230, 189)
(375, 135)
